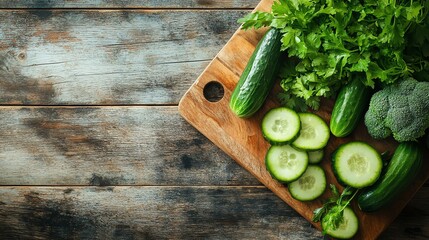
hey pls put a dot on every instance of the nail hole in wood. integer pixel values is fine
(22, 56)
(213, 91)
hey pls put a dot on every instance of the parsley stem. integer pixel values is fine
(350, 199)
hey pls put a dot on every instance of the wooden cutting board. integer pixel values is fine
(242, 139)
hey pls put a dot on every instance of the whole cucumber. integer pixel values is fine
(258, 76)
(349, 107)
(402, 169)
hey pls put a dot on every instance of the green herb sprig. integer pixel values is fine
(332, 210)
(329, 42)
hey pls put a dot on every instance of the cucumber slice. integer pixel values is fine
(281, 125)
(315, 156)
(347, 229)
(310, 185)
(357, 164)
(286, 163)
(314, 132)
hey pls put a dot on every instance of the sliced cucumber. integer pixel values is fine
(314, 132)
(281, 125)
(347, 229)
(315, 156)
(286, 163)
(357, 164)
(310, 185)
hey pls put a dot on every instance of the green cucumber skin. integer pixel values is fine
(349, 107)
(258, 76)
(279, 143)
(335, 157)
(336, 236)
(402, 169)
(275, 143)
(267, 166)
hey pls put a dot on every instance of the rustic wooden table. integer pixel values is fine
(92, 145)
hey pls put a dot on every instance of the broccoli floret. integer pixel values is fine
(376, 114)
(400, 110)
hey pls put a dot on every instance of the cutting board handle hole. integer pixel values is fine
(213, 91)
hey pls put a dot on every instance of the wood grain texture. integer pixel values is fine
(243, 141)
(148, 213)
(107, 57)
(109, 146)
(170, 212)
(209, 4)
(65, 53)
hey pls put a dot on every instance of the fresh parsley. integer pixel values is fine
(329, 42)
(331, 213)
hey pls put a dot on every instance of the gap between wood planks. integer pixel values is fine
(132, 9)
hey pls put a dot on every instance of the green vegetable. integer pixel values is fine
(285, 163)
(310, 185)
(258, 76)
(356, 164)
(400, 109)
(347, 228)
(332, 215)
(416, 52)
(316, 156)
(314, 134)
(404, 166)
(281, 125)
(335, 41)
(350, 106)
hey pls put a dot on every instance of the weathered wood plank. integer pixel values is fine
(107, 57)
(109, 146)
(170, 213)
(148, 213)
(129, 4)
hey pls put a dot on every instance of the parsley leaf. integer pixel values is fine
(331, 213)
(335, 41)
(256, 20)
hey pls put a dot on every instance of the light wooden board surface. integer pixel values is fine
(243, 140)
(104, 68)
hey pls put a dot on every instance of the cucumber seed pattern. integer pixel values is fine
(307, 182)
(280, 126)
(358, 164)
(343, 224)
(288, 160)
(307, 131)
